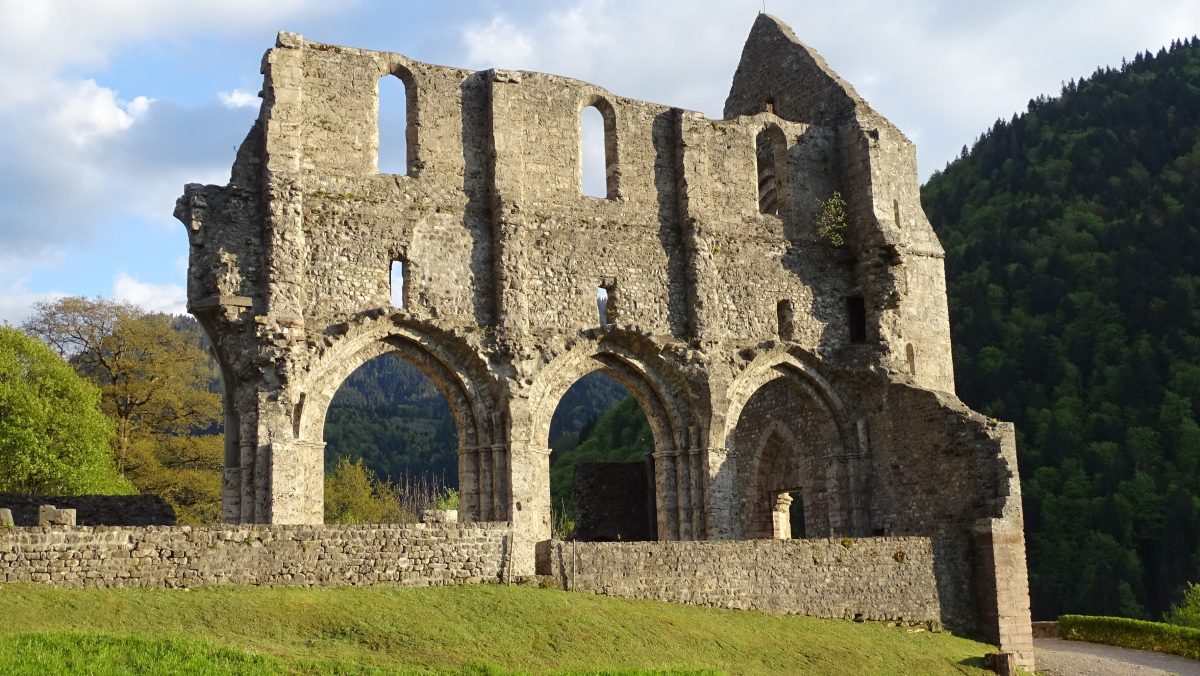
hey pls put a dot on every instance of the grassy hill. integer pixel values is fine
(471, 629)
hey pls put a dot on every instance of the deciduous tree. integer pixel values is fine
(53, 437)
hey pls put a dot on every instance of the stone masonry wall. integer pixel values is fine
(94, 510)
(305, 556)
(886, 579)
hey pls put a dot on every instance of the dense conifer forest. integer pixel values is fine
(1072, 237)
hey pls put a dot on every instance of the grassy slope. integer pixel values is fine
(454, 627)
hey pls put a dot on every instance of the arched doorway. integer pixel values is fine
(799, 473)
(390, 446)
(601, 464)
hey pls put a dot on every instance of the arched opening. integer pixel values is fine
(396, 118)
(598, 150)
(795, 476)
(601, 472)
(770, 149)
(391, 444)
(396, 284)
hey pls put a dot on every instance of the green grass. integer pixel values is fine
(480, 629)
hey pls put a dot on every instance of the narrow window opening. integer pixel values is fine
(606, 302)
(796, 515)
(397, 284)
(896, 212)
(397, 128)
(787, 320)
(856, 310)
(770, 148)
(598, 150)
(911, 354)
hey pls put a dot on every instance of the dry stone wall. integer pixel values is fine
(888, 579)
(305, 556)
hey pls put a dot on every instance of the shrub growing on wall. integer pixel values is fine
(53, 437)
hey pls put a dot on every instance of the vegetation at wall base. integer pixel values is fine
(1072, 238)
(459, 629)
(1129, 633)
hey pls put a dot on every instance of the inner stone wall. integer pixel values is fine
(852, 578)
(303, 556)
(94, 510)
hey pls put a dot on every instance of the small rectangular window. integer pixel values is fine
(856, 311)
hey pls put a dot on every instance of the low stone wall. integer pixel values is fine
(307, 556)
(94, 510)
(885, 578)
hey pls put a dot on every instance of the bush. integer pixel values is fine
(1187, 613)
(354, 495)
(1127, 633)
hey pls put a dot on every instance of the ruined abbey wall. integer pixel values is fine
(767, 359)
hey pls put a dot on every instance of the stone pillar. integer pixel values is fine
(1003, 586)
(781, 517)
(295, 493)
(529, 506)
(718, 473)
(483, 461)
(665, 496)
(683, 496)
(499, 472)
(696, 462)
(6, 518)
(468, 492)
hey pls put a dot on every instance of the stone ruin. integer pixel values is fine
(776, 368)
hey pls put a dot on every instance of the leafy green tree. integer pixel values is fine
(1187, 612)
(53, 437)
(158, 387)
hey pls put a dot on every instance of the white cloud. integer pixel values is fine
(499, 43)
(168, 298)
(16, 303)
(941, 70)
(239, 98)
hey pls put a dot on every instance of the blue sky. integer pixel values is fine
(108, 108)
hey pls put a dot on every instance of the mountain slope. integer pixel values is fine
(1072, 236)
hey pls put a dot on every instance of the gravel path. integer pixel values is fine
(1056, 657)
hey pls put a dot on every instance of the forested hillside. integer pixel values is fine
(1072, 236)
(392, 416)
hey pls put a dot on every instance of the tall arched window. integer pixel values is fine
(396, 283)
(770, 148)
(397, 150)
(598, 149)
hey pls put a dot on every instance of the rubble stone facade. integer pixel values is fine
(776, 368)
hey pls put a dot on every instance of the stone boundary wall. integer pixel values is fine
(304, 556)
(884, 578)
(94, 510)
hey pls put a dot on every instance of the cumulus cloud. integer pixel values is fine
(239, 98)
(167, 298)
(78, 158)
(942, 70)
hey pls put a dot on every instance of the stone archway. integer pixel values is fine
(483, 462)
(664, 398)
(785, 428)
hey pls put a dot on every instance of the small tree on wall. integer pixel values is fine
(831, 219)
